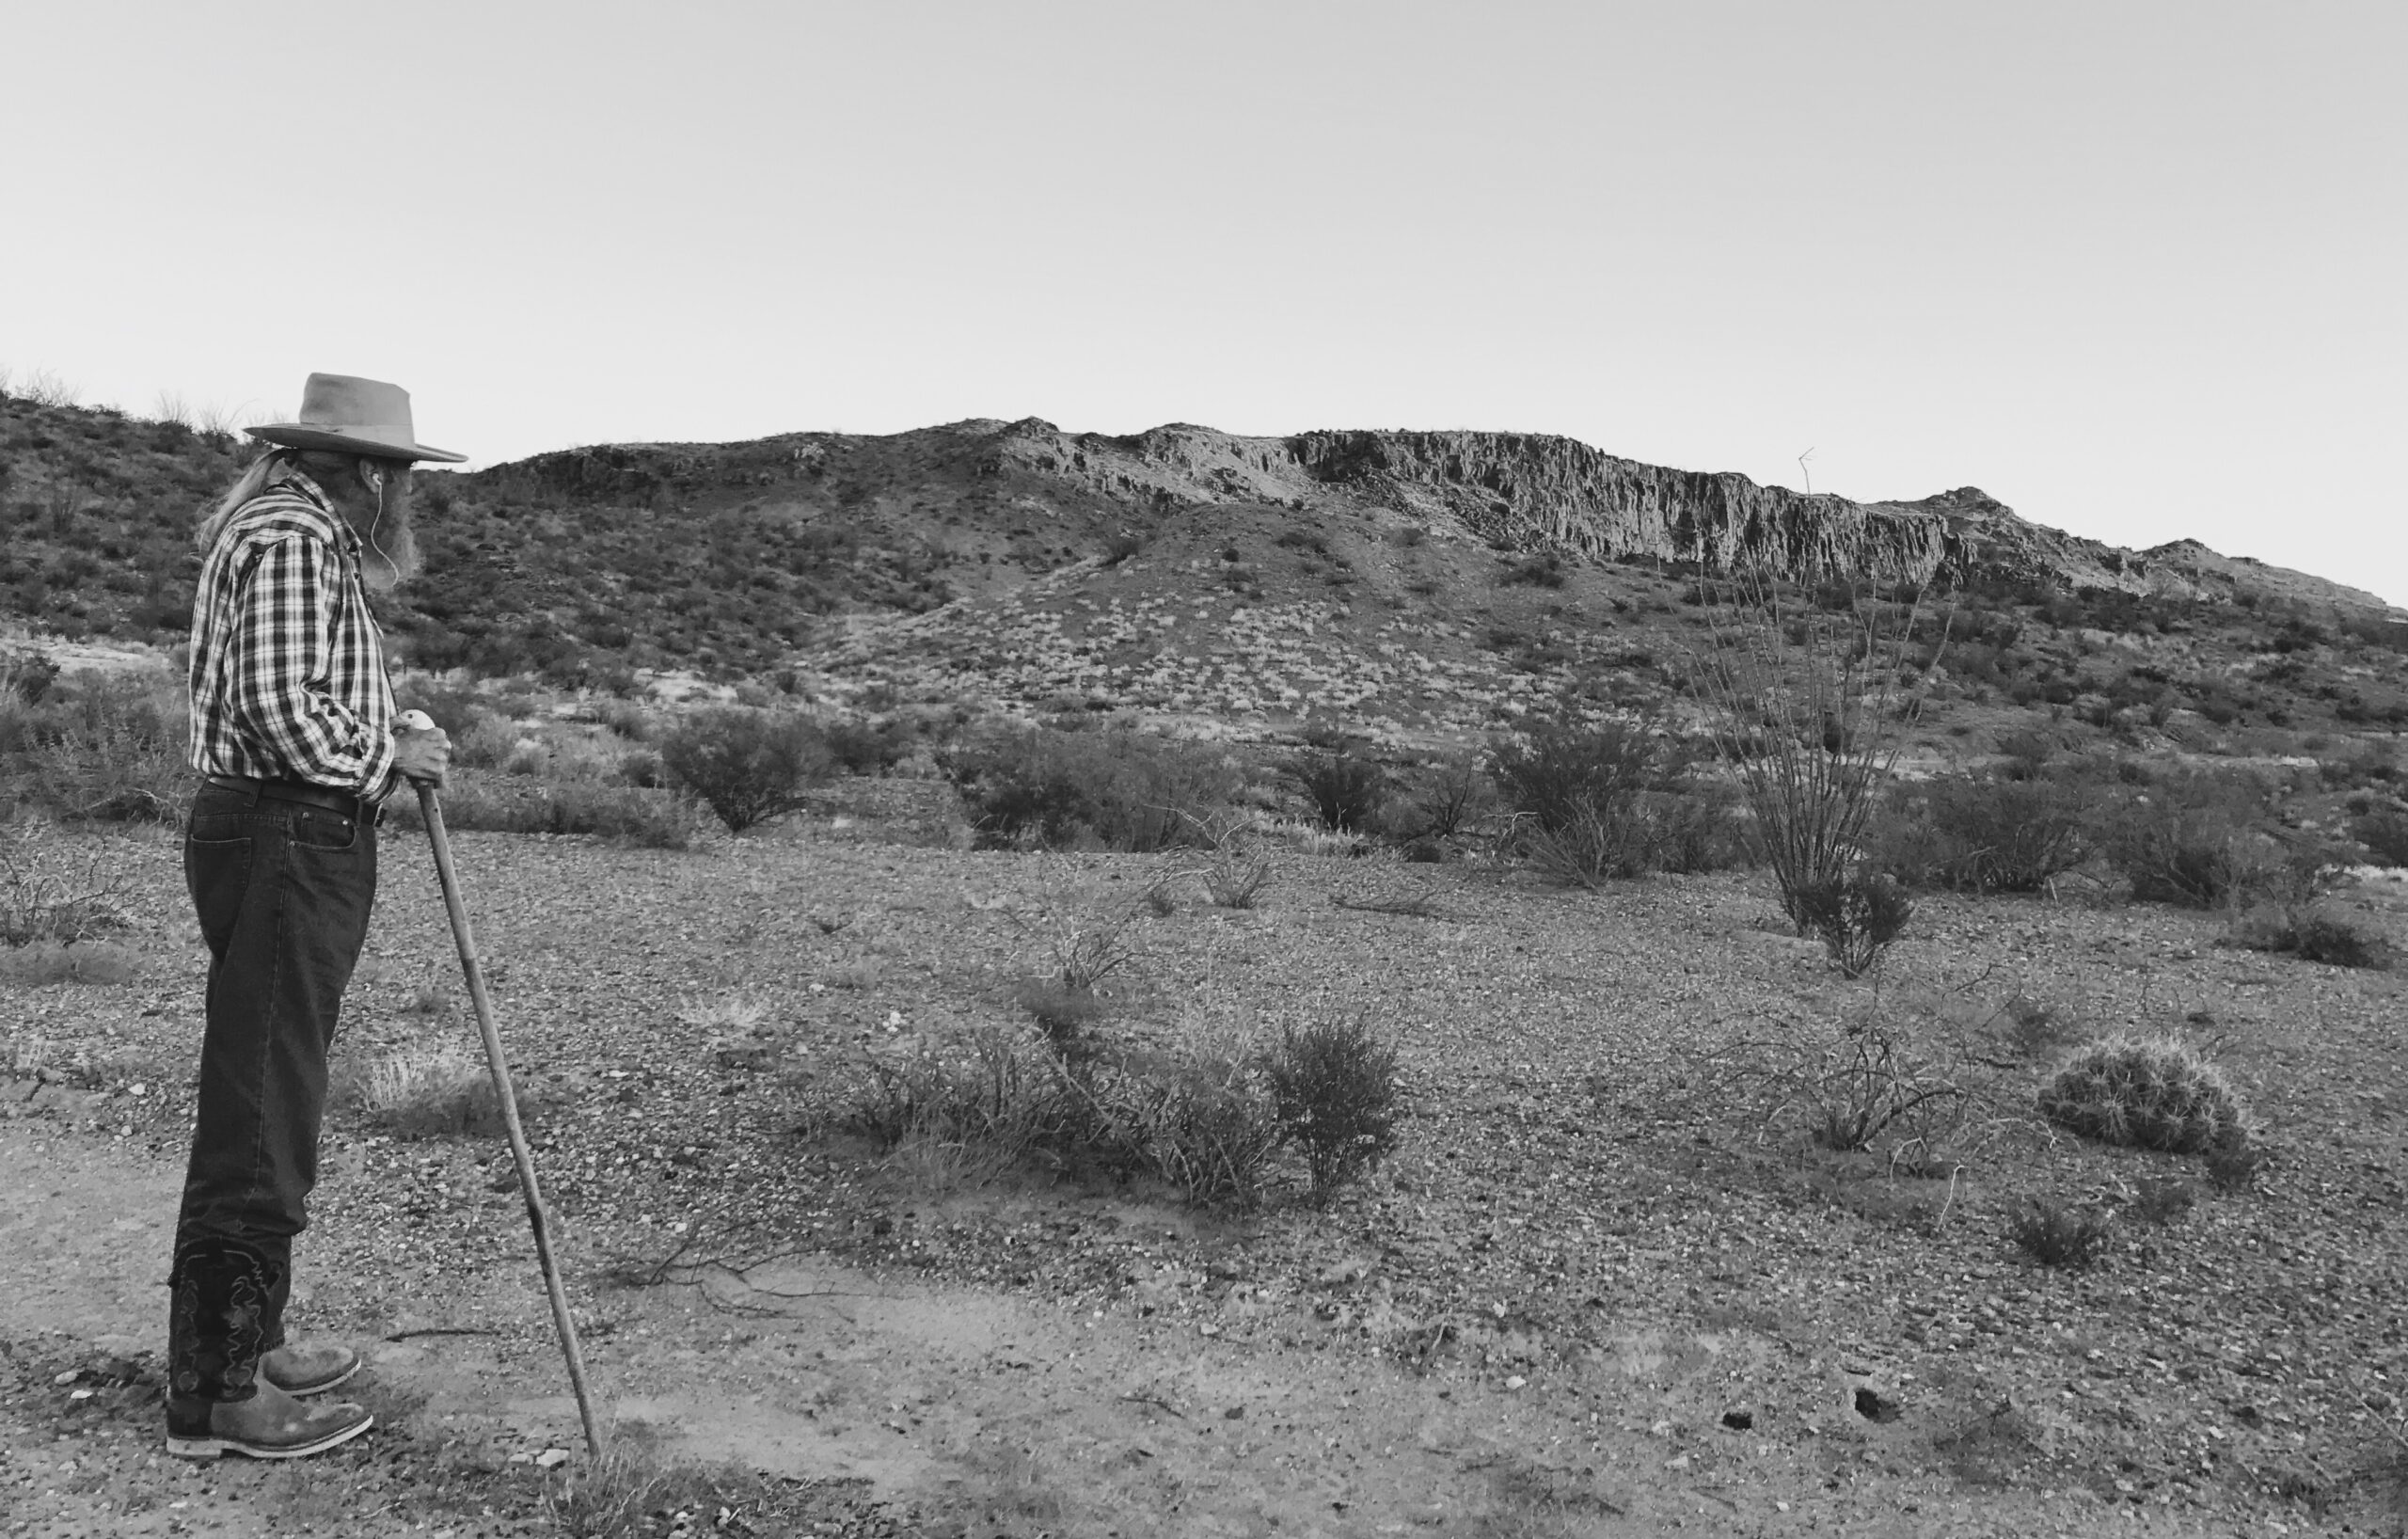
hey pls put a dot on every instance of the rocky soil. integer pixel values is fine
(1607, 1285)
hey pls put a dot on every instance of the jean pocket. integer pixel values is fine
(217, 872)
(314, 827)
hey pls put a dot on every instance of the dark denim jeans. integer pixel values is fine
(283, 893)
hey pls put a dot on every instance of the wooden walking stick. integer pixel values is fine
(430, 804)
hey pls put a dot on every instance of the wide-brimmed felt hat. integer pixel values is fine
(354, 416)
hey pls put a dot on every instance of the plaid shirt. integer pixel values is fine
(288, 670)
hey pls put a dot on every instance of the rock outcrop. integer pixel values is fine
(1540, 492)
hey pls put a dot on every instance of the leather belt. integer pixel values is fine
(297, 790)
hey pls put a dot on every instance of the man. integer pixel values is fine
(292, 731)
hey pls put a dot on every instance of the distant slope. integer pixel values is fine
(1417, 582)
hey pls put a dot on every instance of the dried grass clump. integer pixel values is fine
(2148, 1093)
(2061, 1234)
(428, 1091)
(1856, 916)
(2309, 934)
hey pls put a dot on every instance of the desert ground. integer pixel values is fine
(1608, 1284)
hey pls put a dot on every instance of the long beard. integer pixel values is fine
(388, 548)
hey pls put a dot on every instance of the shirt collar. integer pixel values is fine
(288, 476)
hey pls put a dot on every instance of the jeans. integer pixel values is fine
(283, 893)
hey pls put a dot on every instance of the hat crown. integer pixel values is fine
(352, 415)
(346, 403)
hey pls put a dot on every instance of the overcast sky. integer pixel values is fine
(2137, 269)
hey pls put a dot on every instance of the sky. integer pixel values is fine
(2134, 268)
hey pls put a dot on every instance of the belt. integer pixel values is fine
(298, 790)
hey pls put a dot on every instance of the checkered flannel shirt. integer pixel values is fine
(288, 669)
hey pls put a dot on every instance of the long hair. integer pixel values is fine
(249, 485)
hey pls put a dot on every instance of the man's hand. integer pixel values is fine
(422, 749)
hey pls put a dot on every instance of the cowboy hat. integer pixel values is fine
(354, 416)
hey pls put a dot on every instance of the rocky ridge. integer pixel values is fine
(1539, 492)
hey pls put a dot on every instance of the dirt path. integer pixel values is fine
(911, 1408)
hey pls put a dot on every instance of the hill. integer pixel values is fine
(1411, 584)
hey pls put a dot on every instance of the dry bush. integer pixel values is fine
(1235, 880)
(52, 893)
(647, 819)
(2149, 1093)
(2060, 1234)
(1856, 916)
(1991, 834)
(1334, 1085)
(1347, 787)
(961, 1112)
(2205, 842)
(1874, 1090)
(1200, 1118)
(42, 964)
(104, 748)
(747, 766)
(1807, 707)
(2310, 933)
(1042, 788)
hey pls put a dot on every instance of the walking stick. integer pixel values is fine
(430, 804)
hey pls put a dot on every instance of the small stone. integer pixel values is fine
(551, 1457)
(1515, 1381)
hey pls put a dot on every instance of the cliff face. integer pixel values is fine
(1538, 492)
(1514, 491)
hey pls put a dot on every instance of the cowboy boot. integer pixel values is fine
(223, 1304)
(311, 1369)
(269, 1424)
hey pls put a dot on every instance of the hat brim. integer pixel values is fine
(302, 435)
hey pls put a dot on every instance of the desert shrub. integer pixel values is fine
(106, 748)
(951, 1113)
(1992, 834)
(1200, 1119)
(747, 766)
(2148, 1093)
(1856, 916)
(1807, 708)
(1592, 802)
(55, 893)
(645, 818)
(1063, 1012)
(1334, 1085)
(41, 964)
(2161, 1199)
(2385, 834)
(2061, 1234)
(1048, 788)
(1871, 1090)
(962, 1111)
(1235, 879)
(2203, 842)
(483, 740)
(2235, 1159)
(1557, 772)
(2309, 934)
(1441, 799)
(27, 675)
(1346, 785)
(865, 748)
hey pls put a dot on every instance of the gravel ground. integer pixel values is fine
(1597, 1207)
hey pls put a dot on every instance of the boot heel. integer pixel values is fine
(195, 1447)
